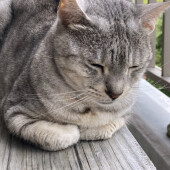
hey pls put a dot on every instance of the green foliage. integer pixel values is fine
(146, 1)
(158, 87)
(159, 41)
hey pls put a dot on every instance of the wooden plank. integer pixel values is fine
(120, 152)
(132, 161)
(55, 161)
(73, 159)
(122, 158)
(46, 161)
(34, 158)
(141, 160)
(110, 155)
(64, 160)
(83, 163)
(99, 156)
(152, 136)
(17, 157)
(166, 44)
(89, 156)
(4, 146)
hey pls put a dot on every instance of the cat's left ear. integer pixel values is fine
(150, 13)
(70, 13)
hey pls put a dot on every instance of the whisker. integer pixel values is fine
(58, 100)
(91, 92)
(58, 93)
(72, 103)
(79, 102)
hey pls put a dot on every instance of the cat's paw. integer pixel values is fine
(68, 135)
(96, 134)
(103, 132)
(71, 137)
(48, 135)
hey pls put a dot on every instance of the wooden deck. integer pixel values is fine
(120, 152)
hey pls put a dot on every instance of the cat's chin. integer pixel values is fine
(104, 103)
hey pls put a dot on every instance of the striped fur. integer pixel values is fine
(56, 67)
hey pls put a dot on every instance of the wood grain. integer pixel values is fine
(120, 152)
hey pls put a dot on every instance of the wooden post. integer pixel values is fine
(133, 1)
(166, 44)
(139, 1)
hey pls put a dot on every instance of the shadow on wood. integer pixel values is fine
(120, 152)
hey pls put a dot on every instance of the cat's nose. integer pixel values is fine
(113, 96)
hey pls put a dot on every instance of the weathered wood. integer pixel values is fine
(130, 0)
(120, 152)
(139, 1)
(166, 44)
(149, 124)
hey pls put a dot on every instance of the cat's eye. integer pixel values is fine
(98, 66)
(134, 67)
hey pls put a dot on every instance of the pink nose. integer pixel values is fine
(113, 96)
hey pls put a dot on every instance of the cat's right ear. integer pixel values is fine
(70, 14)
(149, 14)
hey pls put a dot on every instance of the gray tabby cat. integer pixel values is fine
(68, 75)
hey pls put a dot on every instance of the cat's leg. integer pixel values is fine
(5, 15)
(49, 136)
(102, 132)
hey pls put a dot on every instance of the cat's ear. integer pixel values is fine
(149, 14)
(71, 14)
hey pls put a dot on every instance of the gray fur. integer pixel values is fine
(44, 62)
(5, 15)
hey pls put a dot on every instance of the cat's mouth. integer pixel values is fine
(104, 102)
(108, 102)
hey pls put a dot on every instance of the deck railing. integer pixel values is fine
(161, 75)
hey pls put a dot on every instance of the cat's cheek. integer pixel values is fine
(136, 76)
(77, 80)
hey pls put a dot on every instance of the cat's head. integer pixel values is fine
(104, 45)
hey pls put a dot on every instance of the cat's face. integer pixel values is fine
(105, 53)
(107, 63)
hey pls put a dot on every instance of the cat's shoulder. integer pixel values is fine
(33, 5)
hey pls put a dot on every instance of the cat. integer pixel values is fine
(68, 72)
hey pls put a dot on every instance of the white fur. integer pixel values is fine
(51, 136)
(55, 136)
(102, 132)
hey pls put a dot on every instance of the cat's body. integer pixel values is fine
(48, 97)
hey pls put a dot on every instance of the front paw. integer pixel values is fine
(102, 132)
(95, 134)
(57, 137)
(71, 135)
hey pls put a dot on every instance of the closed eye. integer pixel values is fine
(98, 66)
(133, 67)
